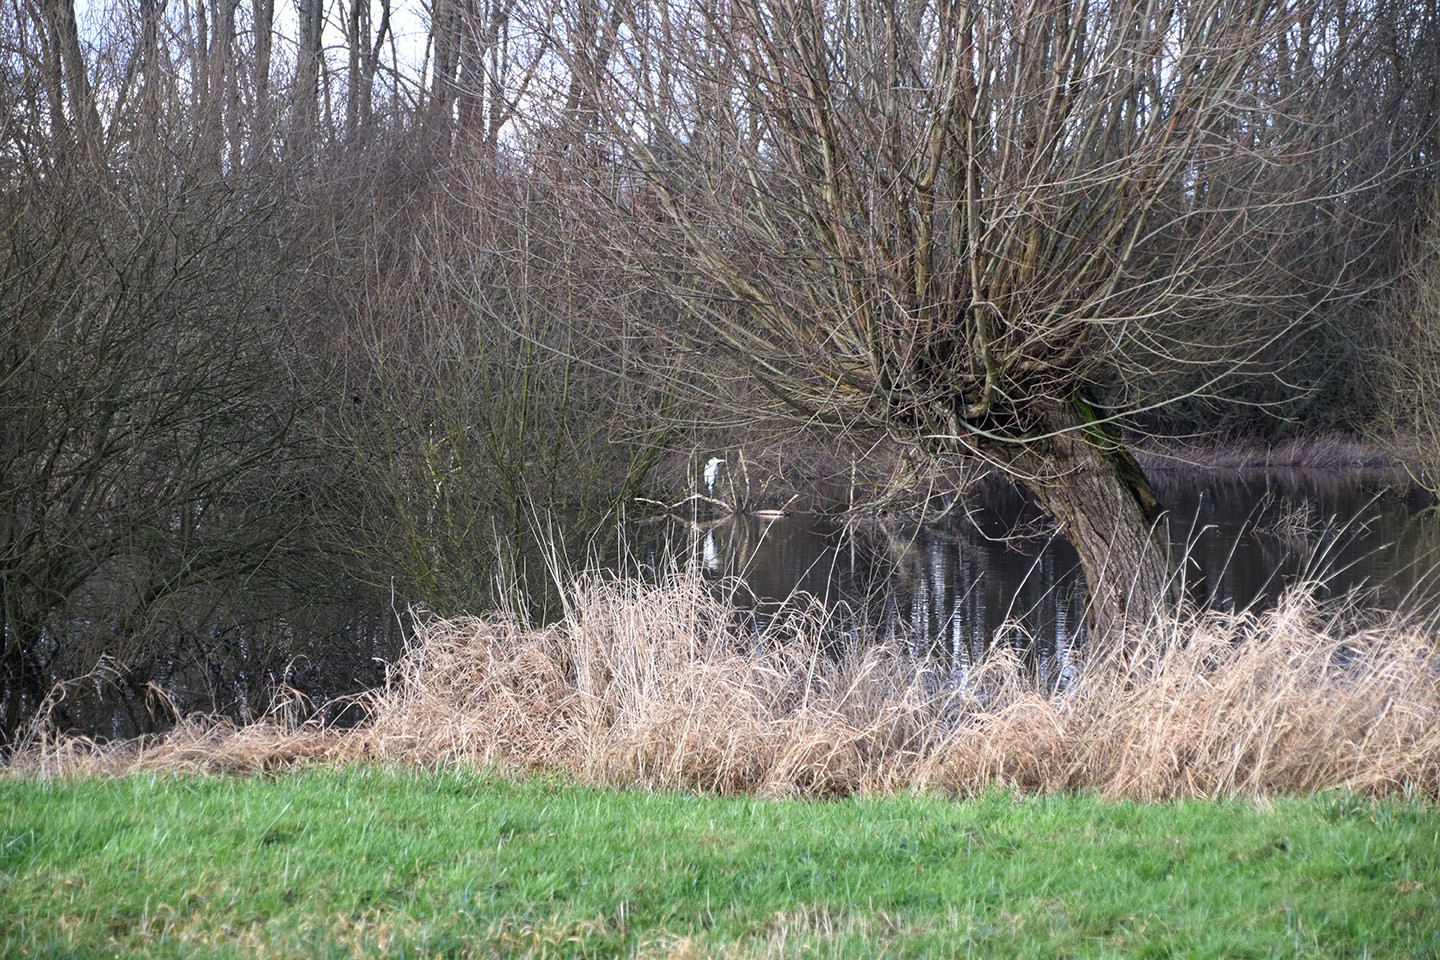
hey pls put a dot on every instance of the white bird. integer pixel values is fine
(712, 473)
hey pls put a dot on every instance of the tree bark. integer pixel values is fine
(306, 91)
(263, 12)
(60, 18)
(221, 129)
(1084, 479)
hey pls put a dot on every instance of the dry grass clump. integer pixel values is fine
(197, 744)
(1289, 701)
(654, 686)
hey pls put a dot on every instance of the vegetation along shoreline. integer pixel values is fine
(345, 344)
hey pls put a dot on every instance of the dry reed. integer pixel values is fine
(654, 686)
(1325, 452)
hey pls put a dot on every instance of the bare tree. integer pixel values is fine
(147, 457)
(74, 116)
(484, 55)
(483, 443)
(364, 40)
(973, 225)
(309, 61)
(1368, 200)
(263, 23)
(144, 421)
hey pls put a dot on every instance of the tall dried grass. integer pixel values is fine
(1323, 452)
(654, 686)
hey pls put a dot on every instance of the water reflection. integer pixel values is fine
(994, 575)
(998, 576)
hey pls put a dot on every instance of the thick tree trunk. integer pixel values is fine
(306, 92)
(60, 18)
(1084, 479)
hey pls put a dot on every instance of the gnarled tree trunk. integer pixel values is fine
(1085, 480)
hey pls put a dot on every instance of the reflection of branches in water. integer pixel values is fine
(953, 596)
(216, 664)
(1296, 523)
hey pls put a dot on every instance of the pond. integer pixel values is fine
(997, 573)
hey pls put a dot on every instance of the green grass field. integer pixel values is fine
(339, 862)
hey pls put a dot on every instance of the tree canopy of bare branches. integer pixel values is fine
(288, 304)
(977, 225)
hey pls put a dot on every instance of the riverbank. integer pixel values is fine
(658, 687)
(365, 861)
(641, 780)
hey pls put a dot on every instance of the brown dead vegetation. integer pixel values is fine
(1323, 452)
(654, 687)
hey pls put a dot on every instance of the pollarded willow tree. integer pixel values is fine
(971, 223)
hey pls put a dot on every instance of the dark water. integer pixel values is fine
(993, 573)
(996, 573)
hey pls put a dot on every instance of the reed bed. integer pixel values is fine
(1326, 452)
(654, 686)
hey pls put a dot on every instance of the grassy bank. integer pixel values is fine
(371, 861)
(1313, 733)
